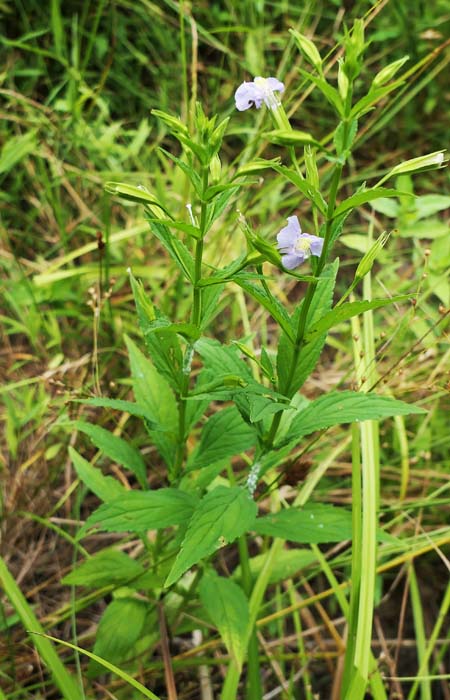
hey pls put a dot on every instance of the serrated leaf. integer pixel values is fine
(115, 448)
(221, 516)
(227, 606)
(106, 567)
(222, 359)
(105, 487)
(154, 393)
(339, 407)
(315, 523)
(138, 512)
(359, 198)
(348, 310)
(224, 435)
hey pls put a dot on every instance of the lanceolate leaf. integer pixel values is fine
(221, 516)
(314, 524)
(116, 448)
(227, 607)
(136, 512)
(363, 197)
(346, 311)
(225, 434)
(346, 407)
(105, 487)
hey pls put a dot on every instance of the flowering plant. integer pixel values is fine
(184, 373)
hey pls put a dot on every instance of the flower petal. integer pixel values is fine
(291, 261)
(275, 85)
(247, 95)
(316, 246)
(289, 234)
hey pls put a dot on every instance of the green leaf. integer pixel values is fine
(224, 434)
(221, 516)
(164, 348)
(313, 524)
(331, 94)
(429, 204)
(344, 136)
(176, 249)
(218, 205)
(119, 628)
(346, 311)
(305, 187)
(15, 149)
(363, 197)
(291, 137)
(310, 353)
(154, 393)
(105, 487)
(289, 562)
(339, 407)
(138, 512)
(222, 359)
(270, 303)
(116, 448)
(134, 409)
(106, 567)
(227, 607)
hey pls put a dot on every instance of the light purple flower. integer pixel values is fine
(258, 91)
(296, 247)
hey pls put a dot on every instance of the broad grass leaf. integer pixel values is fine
(224, 434)
(346, 311)
(153, 392)
(346, 407)
(227, 607)
(106, 567)
(310, 353)
(221, 516)
(137, 512)
(105, 487)
(119, 628)
(315, 523)
(116, 448)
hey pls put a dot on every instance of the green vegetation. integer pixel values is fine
(222, 478)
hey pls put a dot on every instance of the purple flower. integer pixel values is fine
(258, 91)
(296, 247)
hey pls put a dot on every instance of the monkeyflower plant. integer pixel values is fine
(205, 402)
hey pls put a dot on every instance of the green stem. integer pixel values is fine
(254, 687)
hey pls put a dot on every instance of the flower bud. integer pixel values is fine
(308, 49)
(343, 82)
(215, 168)
(388, 72)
